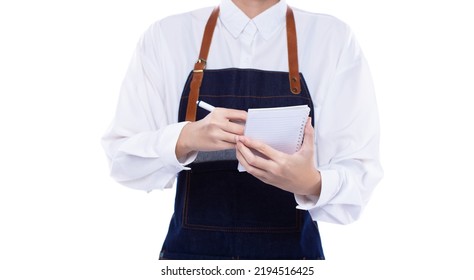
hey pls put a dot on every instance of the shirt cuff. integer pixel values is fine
(329, 188)
(168, 141)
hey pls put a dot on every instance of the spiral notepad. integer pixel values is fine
(282, 128)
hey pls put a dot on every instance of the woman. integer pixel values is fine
(250, 54)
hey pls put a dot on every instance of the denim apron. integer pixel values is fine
(221, 213)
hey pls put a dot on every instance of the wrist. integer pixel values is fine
(314, 183)
(183, 147)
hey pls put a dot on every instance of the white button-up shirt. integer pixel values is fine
(140, 143)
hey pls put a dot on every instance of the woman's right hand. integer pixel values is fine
(215, 132)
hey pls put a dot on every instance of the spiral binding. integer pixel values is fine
(301, 135)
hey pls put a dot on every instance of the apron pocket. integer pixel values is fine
(220, 198)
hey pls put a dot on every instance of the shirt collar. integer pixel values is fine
(267, 23)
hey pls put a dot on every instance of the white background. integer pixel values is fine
(63, 217)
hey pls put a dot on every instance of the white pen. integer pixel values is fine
(205, 105)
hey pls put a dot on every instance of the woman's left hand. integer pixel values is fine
(295, 173)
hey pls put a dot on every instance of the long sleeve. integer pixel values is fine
(140, 144)
(347, 142)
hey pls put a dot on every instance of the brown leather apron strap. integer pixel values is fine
(198, 72)
(200, 65)
(295, 85)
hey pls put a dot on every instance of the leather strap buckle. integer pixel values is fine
(200, 65)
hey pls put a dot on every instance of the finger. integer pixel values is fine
(257, 160)
(260, 147)
(249, 156)
(234, 128)
(228, 137)
(240, 157)
(251, 167)
(223, 118)
(233, 114)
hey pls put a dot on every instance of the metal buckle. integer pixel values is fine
(200, 61)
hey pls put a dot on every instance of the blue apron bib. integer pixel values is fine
(221, 213)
